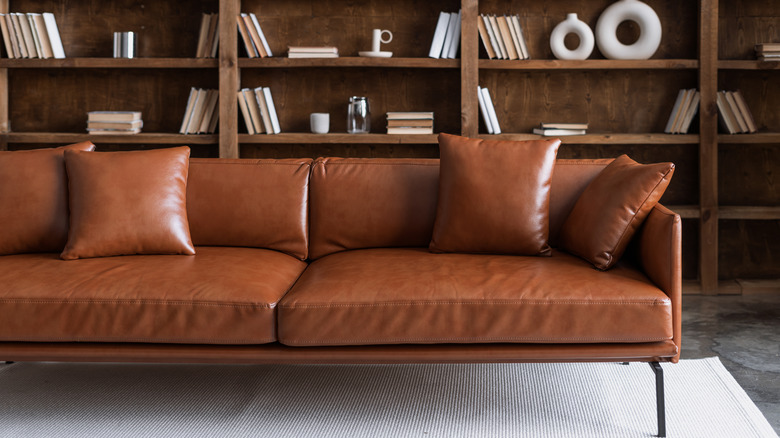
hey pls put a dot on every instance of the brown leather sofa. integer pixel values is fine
(326, 261)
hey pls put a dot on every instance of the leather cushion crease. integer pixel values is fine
(34, 199)
(494, 196)
(128, 203)
(611, 209)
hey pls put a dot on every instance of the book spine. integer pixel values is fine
(188, 110)
(34, 32)
(54, 35)
(675, 111)
(455, 43)
(492, 36)
(449, 35)
(6, 37)
(205, 21)
(260, 33)
(262, 104)
(499, 39)
(250, 129)
(251, 52)
(694, 108)
(483, 111)
(521, 38)
(272, 109)
(483, 36)
(439, 35)
(491, 111)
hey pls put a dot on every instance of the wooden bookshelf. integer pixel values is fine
(707, 44)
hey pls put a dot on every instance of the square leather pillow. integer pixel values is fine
(494, 196)
(128, 203)
(34, 199)
(612, 208)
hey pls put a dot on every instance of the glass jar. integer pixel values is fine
(358, 116)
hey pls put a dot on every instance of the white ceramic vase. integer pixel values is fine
(578, 27)
(628, 10)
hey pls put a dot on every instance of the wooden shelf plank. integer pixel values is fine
(686, 211)
(589, 64)
(347, 61)
(142, 138)
(757, 138)
(747, 64)
(651, 138)
(110, 63)
(305, 138)
(749, 212)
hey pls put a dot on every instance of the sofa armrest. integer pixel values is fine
(660, 255)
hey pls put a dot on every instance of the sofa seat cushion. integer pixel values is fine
(219, 296)
(407, 295)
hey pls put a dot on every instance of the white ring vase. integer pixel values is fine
(628, 10)
(572, 25)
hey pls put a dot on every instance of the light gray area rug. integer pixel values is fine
(495, 400)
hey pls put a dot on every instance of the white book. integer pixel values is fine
(743, 127)
(15, 28)
(745, 110)
(492, 36)
(483, 110)
(197, 112)
(211, 104)
(54, 35)
(408, 130)
(40, 27)
(9, 49)
(515, 37)
(254, 110)
(298, 55)
(312, 49)
(188, 111)
(678, 119)
(27, 35)
(250, 129)
(675, 111)
(491, 111)
(519, 30)
(445, 51)
(265, 114)
(558, 132)
(455, 43)
(272, 109)
(439, 35)
(409, 115)
(260, 33)
(694, 107)
(36, 39)
(499, 40)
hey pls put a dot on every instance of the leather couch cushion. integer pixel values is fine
(253, 203)
(128, 203)
(494, 196)
(612, 208)
(405, 295)
(34, 199)
(370, 203)
(221, 296)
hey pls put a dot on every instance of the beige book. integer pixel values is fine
(745, 110)
(254, 110)
(210, 51)
(188, 110)
(692, 109)
(43, 36)
(743, 127)
(723, 110)
(113, 116)
(265, 112)
(10, 23)
(419, 123)
(678, 118)
(20, 44)
(29, 40)
(250, 26)
(251, 51)
(675, 112)
(203, 35)
(409, 130)
(197, 112)
(6, 37)
(499, 40)
(506, 36)
(114, 131)
(519, 31)
(491, 35)
(208, 111)
(214, 116)
(515, 39)
(34, 32)
(245, 112)
(483, 35)
(136, 124)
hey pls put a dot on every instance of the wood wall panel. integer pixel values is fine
(749, 249)
(762, 94)
(340, 150)
(744, 23)
(196, 151)
(749, 175)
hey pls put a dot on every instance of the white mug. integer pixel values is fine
(320, 123)
(378, 39)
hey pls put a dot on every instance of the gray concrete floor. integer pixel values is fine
(744, 332)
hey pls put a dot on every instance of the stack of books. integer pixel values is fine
(114, 122)
(410, 122)
(768, 51)
(312, 52)
(446, 36)
(31, 35)
(208, 39)
(561, 129)
(201, 115)
(502, 37)
(257, 107)
(734, 114)
(488, 111)
(685, 108)
(254, 40)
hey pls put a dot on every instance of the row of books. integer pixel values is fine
(502, 37)
(208, 38)
(312, 52)
(257, 107)
(252, 35)
(31, 35)
(734, 114)
(488, 111)
(768, 51)
(561, 129)
(114, 122)
(446, 36)
(201, 115)
(683, 111)
(410, 122)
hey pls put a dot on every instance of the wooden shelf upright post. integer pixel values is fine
(228, 78)
(4, 128)
(469, 68)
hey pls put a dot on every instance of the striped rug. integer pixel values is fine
(496, 400)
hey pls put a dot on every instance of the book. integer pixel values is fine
(519, 31)
(563, 125)
(312, 55)
(409, 115)
(491, 111)
(9, 50)
(197, 112)
(188, 110)
(449, 35)
(114, 131)
(452, 52)
(205, 22)
(414, 130)
(682, 111)
(43, 36)
(265, 114)
(499, 38)
(272, 109)
(254, 110)
(485, 38)
(725, 121)
(245, 112)
(312, 49)
(506, 36)
(135, 124)
(693, 108)
(20, 43)
(251, 51)
(54, 35)
(29, 41)
(208, 113)
(558, 132)
(266, 47)
(34, 32)
(735, 110)
(483, 111)
(113, 116)
(254, 35)
(515, 38)
(675, 111)
(410, 123)
(768, 47)
(491, 36)
(439, 34)
(743, 108)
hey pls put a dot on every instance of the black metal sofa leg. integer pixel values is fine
(9, 362)
(659, 397)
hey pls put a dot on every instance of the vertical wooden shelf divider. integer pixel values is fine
(708, 146)
(4, 114)
(228, 78)
(469, 68)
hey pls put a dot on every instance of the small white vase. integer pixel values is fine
(578, 27)
(628, 10)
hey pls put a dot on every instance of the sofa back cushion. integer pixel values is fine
(250, 203)
(373, 202)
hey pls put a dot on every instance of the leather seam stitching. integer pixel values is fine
(665, 302)
(506, 338)
(166, 303)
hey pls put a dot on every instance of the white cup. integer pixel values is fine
(375, 42)
(320, 123)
